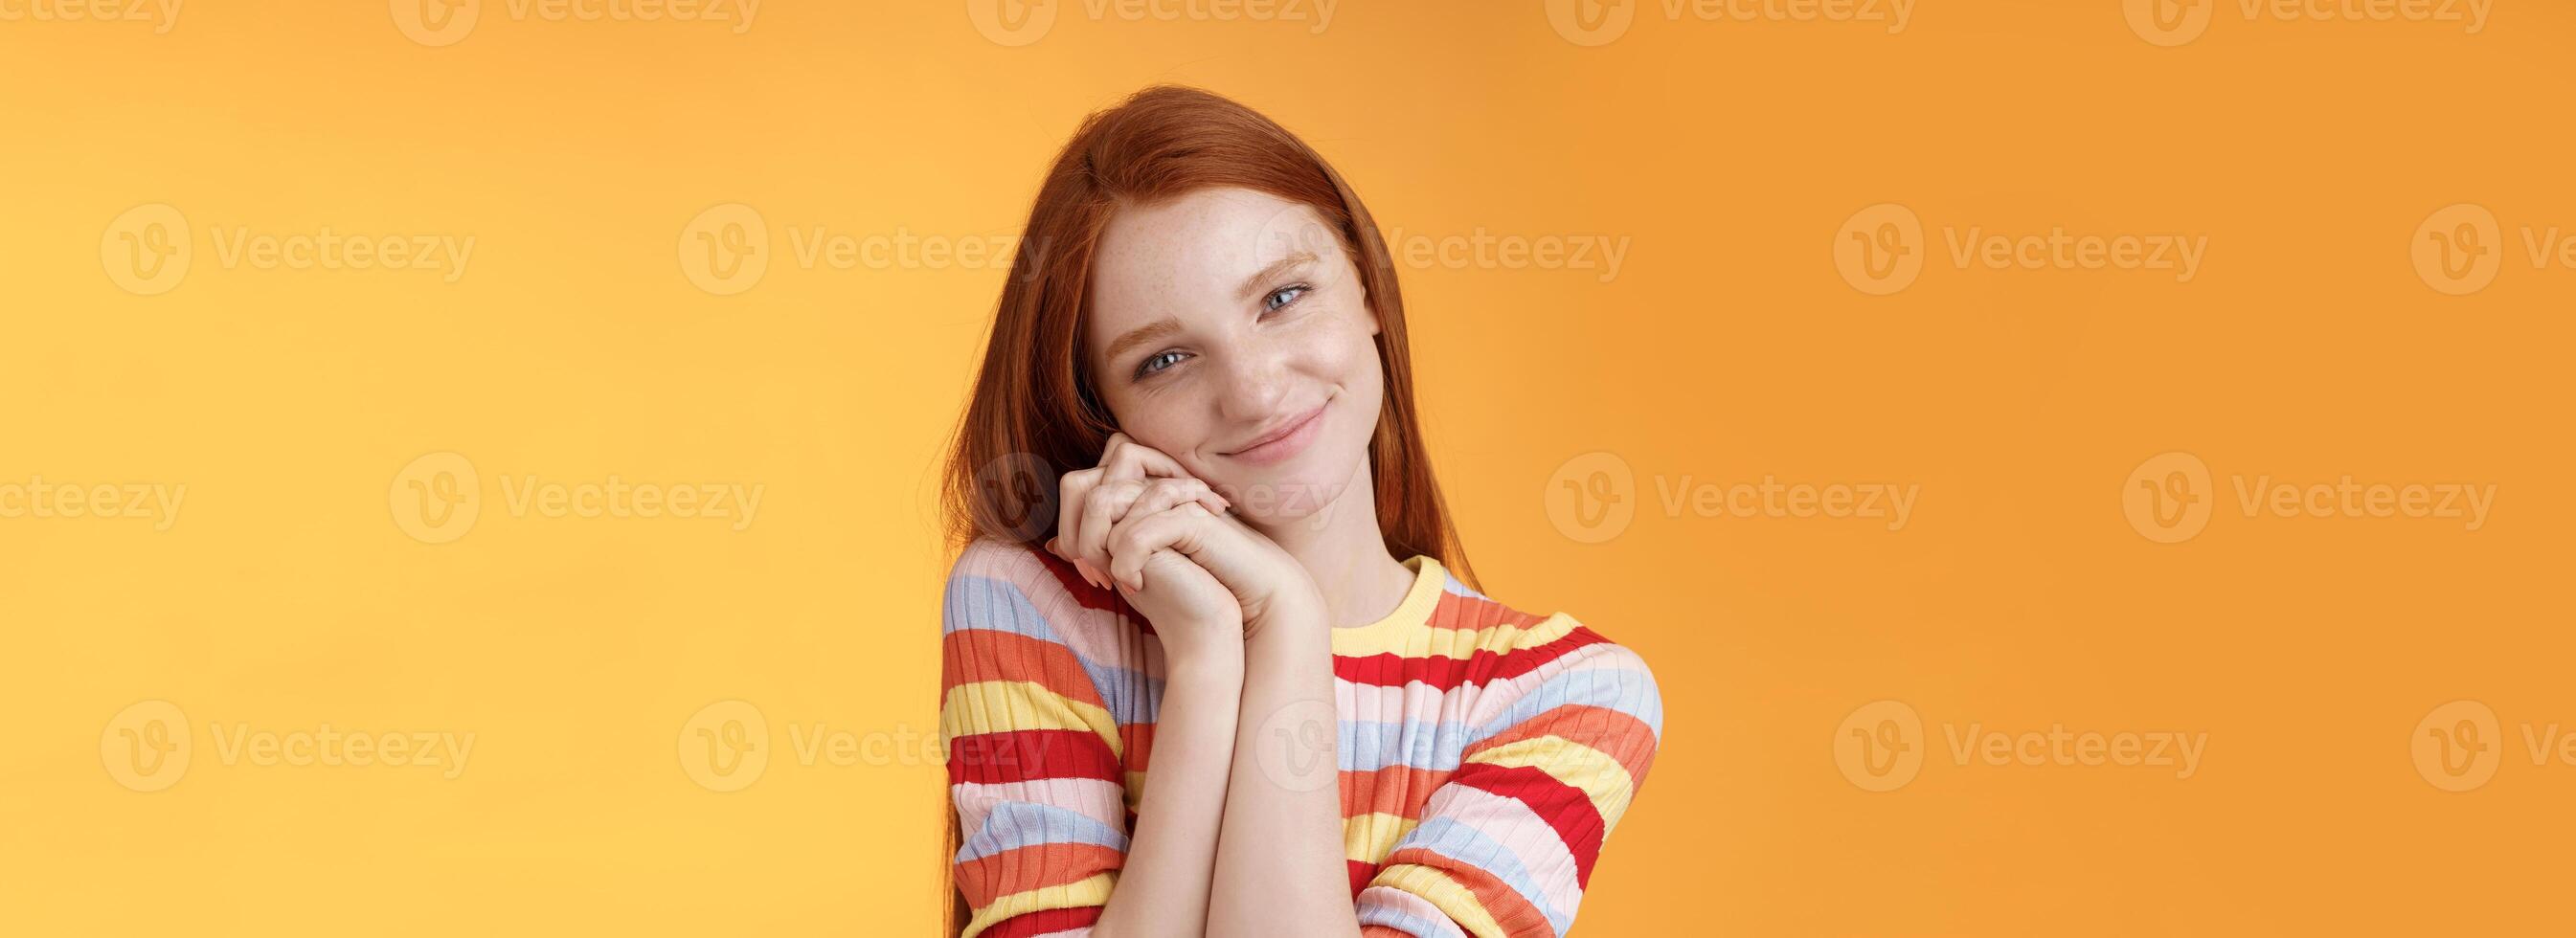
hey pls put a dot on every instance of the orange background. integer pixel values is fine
(290, 589)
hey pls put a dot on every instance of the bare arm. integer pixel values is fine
(1281, 867)
(1164, 888)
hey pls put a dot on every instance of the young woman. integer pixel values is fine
(1230, 674)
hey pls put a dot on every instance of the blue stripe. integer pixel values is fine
(982, 602)
(1449, 837)
(1628, 691)
(1016, 824)
(1369, 745)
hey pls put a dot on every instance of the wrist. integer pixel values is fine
(1298, 606)
(1292, 630)
(1213, 653)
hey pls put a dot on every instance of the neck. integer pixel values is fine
(1345, 553)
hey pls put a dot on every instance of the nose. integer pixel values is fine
(1257, 381)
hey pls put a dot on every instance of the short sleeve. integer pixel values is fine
(1506, 845)
(1035, 758)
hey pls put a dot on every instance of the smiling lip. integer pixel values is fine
(1284, 442)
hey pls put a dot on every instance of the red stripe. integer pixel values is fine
(1465, 613)
(1035, 866)
(1361, 873)
(1043, 921)
(1564, 807)
(1515, 913)
(1085, 594)
(1026, 755)
(1399, 790)
(975, 655)
(1445, 674)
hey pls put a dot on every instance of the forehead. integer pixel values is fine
(1193, 251)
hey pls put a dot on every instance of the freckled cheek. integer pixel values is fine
(1337, 349)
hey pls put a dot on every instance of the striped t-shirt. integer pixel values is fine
(1486, 753)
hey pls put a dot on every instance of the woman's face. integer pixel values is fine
(1223, 317)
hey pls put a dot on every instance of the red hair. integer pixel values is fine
(1035, 415)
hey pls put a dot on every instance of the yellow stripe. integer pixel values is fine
(1444, 893)
(1014, 706)
(1089, 892)
(1590, 770)
(1450, 643)
(1368, 838)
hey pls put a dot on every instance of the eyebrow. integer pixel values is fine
(1167, 325)
(1141, 335)
(1252, 284)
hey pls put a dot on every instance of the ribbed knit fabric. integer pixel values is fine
(1486, 753)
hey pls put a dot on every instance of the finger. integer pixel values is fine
(1108, 502)
(1137, 538)
(1133, 460)
(1163, 494)
(1072, 491)
(1127, 459)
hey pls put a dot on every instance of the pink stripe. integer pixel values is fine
(1098, 799)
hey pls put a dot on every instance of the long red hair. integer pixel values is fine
(1034, 414)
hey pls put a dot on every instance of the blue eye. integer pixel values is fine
(1283, 296)
(1148, 367)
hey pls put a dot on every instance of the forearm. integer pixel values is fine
(1171, 854)
(1281, 866)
